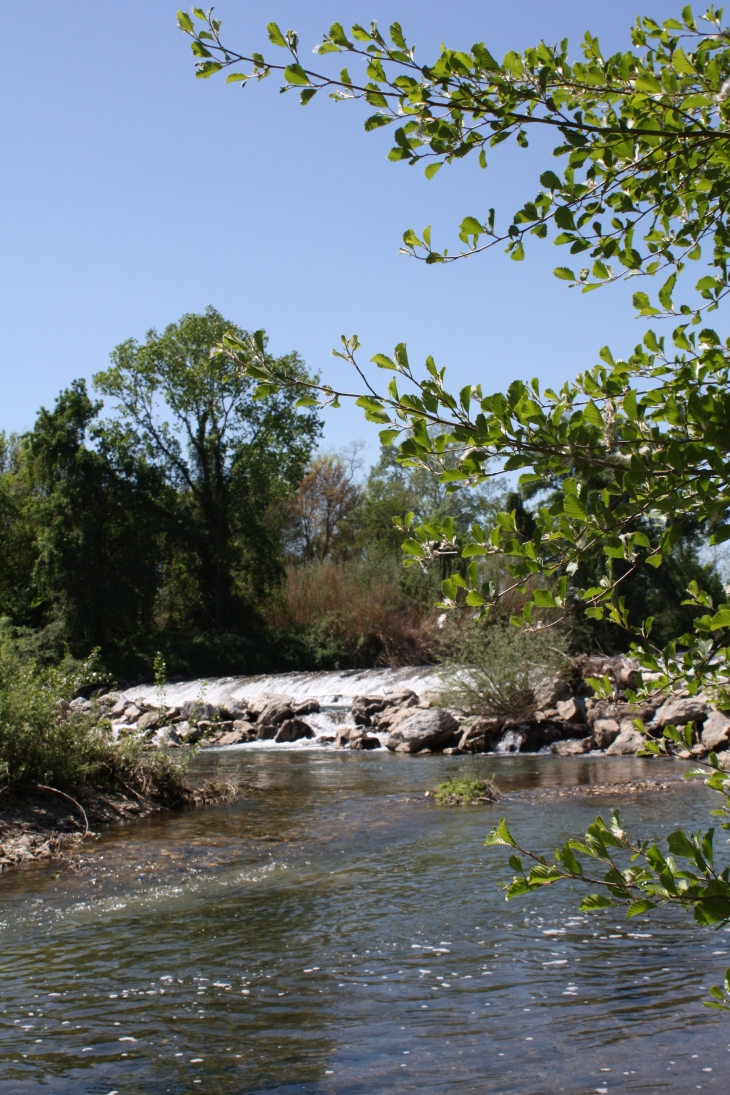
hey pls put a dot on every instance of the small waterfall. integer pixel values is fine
(510, 742)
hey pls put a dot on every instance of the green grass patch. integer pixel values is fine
(465, 791)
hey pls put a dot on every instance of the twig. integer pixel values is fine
(44, 787)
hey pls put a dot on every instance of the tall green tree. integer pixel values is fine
(97, 529)
(230, 458)
(644, 140)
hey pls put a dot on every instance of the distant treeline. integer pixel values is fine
(194, 520)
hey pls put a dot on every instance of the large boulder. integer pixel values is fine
(572, 710)
(716, 731)
(431, 729)
(680, 710)
(238, 735)
(149, 721)
(628, 741)
(294, 730)
(275, 712)
(482, 736)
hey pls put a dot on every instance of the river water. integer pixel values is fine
(334, 931)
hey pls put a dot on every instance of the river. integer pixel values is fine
(334, 932)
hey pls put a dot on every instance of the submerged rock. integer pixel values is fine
(429, 729)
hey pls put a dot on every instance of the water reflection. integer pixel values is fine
(334, 932)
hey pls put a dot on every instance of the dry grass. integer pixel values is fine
(363, 609)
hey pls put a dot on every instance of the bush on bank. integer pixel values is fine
(45, 741)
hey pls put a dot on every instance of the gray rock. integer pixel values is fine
(573, 747)
(367, 741)
(572, 710)
(365, 707)
(306, 707)
(256, 706)
(149, 721)
(551, 691)
(234, 737)
(132, 712)
(117, 711)
(680, 710)
(627, 743)
(481, 737)
(266, 733)
(293, 730)
(275, 712)
(716, 731)
(347, 734)
(424, 730)
(605, 732)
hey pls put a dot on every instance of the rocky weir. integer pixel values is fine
(398, 709)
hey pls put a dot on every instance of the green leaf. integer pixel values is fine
(387, 437)
(474, 599)
(275, 35)
(295, 74)
(208, 68)
(642, 905)
(550, 181)
(594, 901)
(574, 508)
(564, 273)
(721, 617)
(185, 22)
(720, 535)
(501, 835)
(542, 598)
(412, 547)
(307, 401)
(433, 168)
(470, 226)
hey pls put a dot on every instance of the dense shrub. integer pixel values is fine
(44, 740)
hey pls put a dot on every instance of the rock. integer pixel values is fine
(424, 730)
(257, 706)
(390, 718)
(266, 733)
(403, 748)
(294, 730)
(367, 741)
(572, 710)
(132, 712)
(723, 758)
(572, 747)
(275, 712)
(680, 710)
(453, 751)
(233, 737)
(620, 670)
(172, 713)
(551, 691)
(628, 741)
(481, 737)
(364, 707)
(306, 707)
(716, 731)
(605, 732)
(117, 711)
(194, 710)
(348, 734)
(149, 721)
(246, 726)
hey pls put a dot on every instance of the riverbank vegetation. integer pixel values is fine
(465, 790)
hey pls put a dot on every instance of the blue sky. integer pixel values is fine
(132, 193)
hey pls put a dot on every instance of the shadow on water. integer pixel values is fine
(335, 932)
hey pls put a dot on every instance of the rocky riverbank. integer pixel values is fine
(403, 715)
